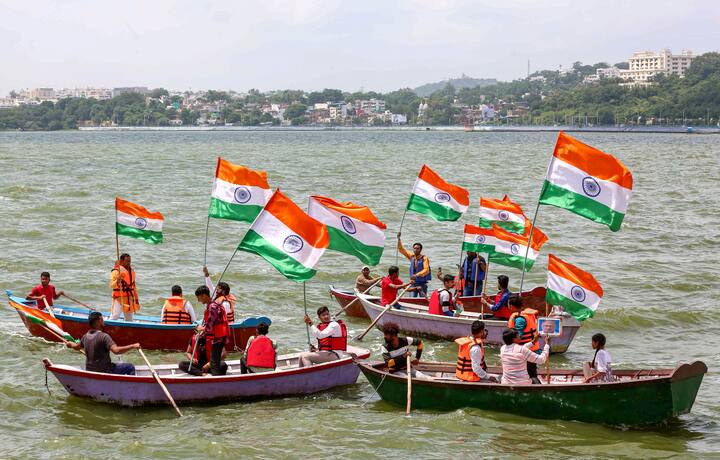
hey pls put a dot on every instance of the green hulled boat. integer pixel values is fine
(638, 397)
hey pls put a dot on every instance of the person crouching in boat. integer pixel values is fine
(196, 354)
(331, 337)
(499, 307)
(471, 365)
(177, 310)
(442, 301)
(260, 353)
(215, 330)
(525, 323)
(396, 349)
(390, 285)
(44, 293)
(600, 368)
(222, 295)
(514, 358)
(98, 345)
(124, 290)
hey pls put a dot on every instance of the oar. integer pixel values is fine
(79, 303)
(192, 355)
(360, 337)
(547, 361)
(342, 310)
(47, 307)
(409, 382)
(59, 337)
(162, 385)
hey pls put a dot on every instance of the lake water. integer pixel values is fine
(659, 273)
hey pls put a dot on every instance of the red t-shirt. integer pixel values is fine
(389, 294)
(48, 292)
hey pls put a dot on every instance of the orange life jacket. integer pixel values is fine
(231, 300)
(337, 343)
(463, 369)
(261, 353)
(531, 326)
(125, 288)
(174, 311)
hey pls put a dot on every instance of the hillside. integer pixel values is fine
(462, 82)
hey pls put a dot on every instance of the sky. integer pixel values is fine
(314, 44)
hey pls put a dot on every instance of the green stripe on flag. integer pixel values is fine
(510, 260)
(436, 211)
(578, 310)
(483, 248)
(587, 207)
(509, 226)
(53, 327)
(291, 268)
(342, 242)
(147, 235)
(232, 211)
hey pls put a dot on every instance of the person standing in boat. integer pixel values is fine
(98, 345)
(124, 289)
(471, 365)
(331, 337)
(390, 286)
(261, 352)
(44, 293)
(499, 307)
(177, 310)
(472, 274)
(525, 323)
(222, 295)
(420, 273)
(600, 368)
(396, 349)
(215, 329)
(515, 357)
(364, 280)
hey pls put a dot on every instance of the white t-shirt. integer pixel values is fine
(444, 296)
(602, 363)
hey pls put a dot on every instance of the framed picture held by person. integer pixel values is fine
(550, 327)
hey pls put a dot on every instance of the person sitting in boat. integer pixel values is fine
(396, 349)
(420, 273)
(260, 353)
(44, 293)
(98, 345)
(390, 286)
(124, 289)
(177, 310)
(216, 330)
(364, 280)
(442, 301)
(472, 274)
(222, 295)
(525, 323)
(500, 308)
(600, 368)
(514, 358)
(331, 337)
(471, 365)
(196, 355)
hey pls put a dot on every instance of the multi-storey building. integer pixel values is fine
(644, 65)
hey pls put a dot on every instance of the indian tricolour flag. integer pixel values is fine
(575, 290)
(436, 198)
(42, 318)
(238, 193)
(289, 239)
(506, 213)
(588, 182)
(135, 221)
(478, 239)
(353, 229)
(510, 248)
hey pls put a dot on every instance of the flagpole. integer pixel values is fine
(207, 227)
(307, 328)
(117, 238)
(527, 248)
(224, 270)
(402, 221)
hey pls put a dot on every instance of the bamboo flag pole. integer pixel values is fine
(409, 386)
(547, 361)
(307, 326)
(377, 318)
(343, 309)
(157, 379)
(527, 248)
(117, 238)
(397, 246)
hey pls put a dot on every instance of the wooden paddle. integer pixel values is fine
(360, 337)
(342, 310)
(162, 385)
(409, 385)
(547, 361)
(79, 303)
(47, 307)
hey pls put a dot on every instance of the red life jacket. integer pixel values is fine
(504, 311)
(434, 307)
(337, 343)
(261, 353)
(220, 329)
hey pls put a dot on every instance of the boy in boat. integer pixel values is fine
(515, 358)
(500, 308)
(600, 368)
(44, 293)
(396, 349)
(442, 301)
(364, 280)
(525, 323)
(215, 329)
(222, 295)
(331, 337)
(390, 286)
(420, 273)
(98, 345)
(260, 354)
(472, 274)
(124, 290)
(177, 310)
(471, 365)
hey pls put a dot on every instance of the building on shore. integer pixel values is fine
(644, 65)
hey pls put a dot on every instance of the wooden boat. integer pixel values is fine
(646, 396)
(416, 321)
(148, 331)
(141, 389)
(531, 299)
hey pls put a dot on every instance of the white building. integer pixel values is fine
(372, 105)
(606, 72)
(644, 65)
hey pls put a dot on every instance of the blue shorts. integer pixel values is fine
(122, 368)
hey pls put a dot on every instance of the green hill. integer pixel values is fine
(462, 82)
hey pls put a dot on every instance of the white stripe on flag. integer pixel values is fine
(472, 238)
(141, 223)
(436, 195)
(367, 234)
(240, 194)
(501, 215)
(514, 249)
(275, 232)
(572, 291)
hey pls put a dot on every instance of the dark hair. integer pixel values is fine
(448, 277)
(417, 244)
(515, 300)
(124, 256)
(599, 339)
(503, 281)
(224, 286)
(322, 310)
(393, 270)
(263, 328)
(45, 274)
(94, 317)
(509, 335)
(176, 290)
(390, 328)
(477, 327)
(202, 290)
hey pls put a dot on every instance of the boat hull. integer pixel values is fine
(646, 400)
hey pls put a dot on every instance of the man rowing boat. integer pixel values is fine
(364, 280)
(44, 293)
(98, 345)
